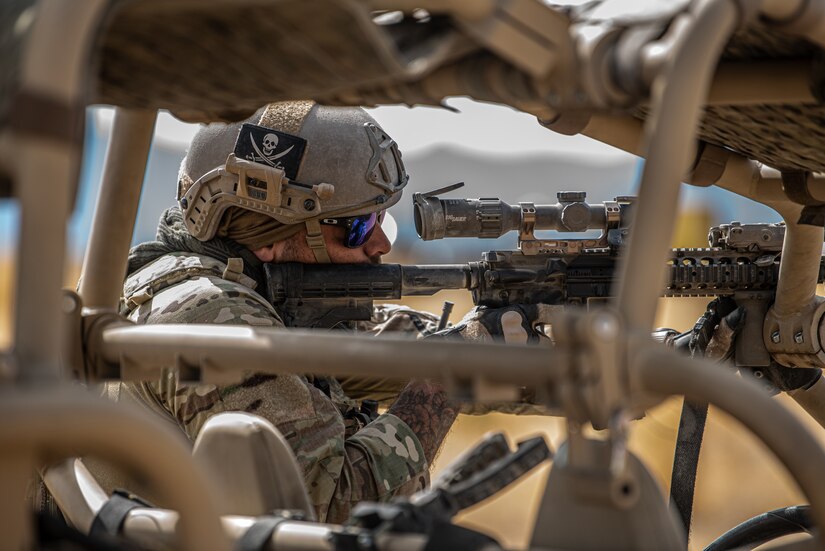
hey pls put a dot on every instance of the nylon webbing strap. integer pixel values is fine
(686, 460)
(257, 537)
(692, 421)
(315, 241)
(109, 520)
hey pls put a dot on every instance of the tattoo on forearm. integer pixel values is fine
(424, 406)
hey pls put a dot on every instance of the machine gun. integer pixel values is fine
(742, 261)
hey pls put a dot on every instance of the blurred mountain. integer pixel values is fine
(533, 176)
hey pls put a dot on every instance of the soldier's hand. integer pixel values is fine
(714, 334)
(515, 324)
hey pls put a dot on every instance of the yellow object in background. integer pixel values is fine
(6, 270)
(692, 228)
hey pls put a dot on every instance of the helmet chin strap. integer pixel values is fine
(315, 240)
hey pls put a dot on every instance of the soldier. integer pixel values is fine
(319, 180)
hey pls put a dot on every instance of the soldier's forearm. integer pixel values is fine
(425, 407)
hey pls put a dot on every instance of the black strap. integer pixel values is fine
(446, 536)
(765, 528)
(257, 536)
(56, 534)
(686, 460)
(109, 520)
(693, 419)
(322, 384)
(370, 409)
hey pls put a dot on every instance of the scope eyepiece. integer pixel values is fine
(484, 218)
(429, 217)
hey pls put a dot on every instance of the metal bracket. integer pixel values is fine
(560, 247)
(578, 495)
(596, 390)
(597, 374)
(709, 165)
(796, 186)
(528, 34)
(72, 345)
(95, 367)
(570, 201)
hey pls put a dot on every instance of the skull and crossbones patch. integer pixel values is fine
(264, 145)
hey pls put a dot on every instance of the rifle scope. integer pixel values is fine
(489, 218)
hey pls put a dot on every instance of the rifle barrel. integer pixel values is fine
(429, 279)
(294, 280)
(586, 276)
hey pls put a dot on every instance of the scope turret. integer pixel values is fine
(489, 218)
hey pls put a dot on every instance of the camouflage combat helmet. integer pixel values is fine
(285, 168)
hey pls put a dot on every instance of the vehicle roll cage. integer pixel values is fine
(536, 59)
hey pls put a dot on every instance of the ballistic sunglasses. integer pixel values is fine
(359, 228)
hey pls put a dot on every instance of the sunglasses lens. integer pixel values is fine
(361, 230)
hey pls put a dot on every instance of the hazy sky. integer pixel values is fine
(478, 126)
(484, 127)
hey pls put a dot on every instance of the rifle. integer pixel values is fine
(742, 261)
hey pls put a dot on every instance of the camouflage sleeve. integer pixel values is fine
(395, 320)
(203, 299)
(207, 300)
(383, 460)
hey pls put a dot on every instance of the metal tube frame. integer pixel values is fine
(47, 424)
(68, 422)
(104, 264)
(666, 373)
(659, 190)
(802, 247)
(44, 167)
(653, 370)
(678, 94)
(75, 491)
(797, 280)
(53, 70)
(219, 350)
(70, 481)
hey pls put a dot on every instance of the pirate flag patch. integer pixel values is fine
(264, 145)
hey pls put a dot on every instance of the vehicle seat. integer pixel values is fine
(251, 465)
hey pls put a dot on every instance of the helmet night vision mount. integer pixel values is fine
(252, 186)
(489, 218)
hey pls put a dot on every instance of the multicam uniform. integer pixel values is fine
(343, 462)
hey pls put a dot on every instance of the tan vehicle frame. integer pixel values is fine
(603, 369)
